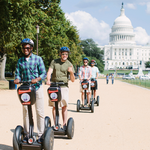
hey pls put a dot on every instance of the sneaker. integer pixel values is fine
(40, 140)
(25, 140)
(64, 127)
(56, 128)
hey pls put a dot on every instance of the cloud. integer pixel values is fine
(90, 27)
(141, 36)
(131, 6)
(148, 8)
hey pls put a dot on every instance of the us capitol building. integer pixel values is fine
(122, 51)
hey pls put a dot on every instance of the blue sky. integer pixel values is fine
(94, 18)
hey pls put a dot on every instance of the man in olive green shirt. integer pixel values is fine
(61, 69)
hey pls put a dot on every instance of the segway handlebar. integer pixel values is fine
(93, 79)
(29, 82)
(57, 83)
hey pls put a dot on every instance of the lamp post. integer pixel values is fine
(89, 47)
(37, 31)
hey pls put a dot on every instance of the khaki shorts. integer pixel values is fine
(88, 90)
(64, 98)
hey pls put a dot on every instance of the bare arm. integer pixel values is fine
(72, 77)
(97, 75)
(50, 70)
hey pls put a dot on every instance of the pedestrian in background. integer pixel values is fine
(107, 78)
(112, 78)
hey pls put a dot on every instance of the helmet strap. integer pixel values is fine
(28, 54)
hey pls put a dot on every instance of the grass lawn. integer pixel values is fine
(122, 71)
(142, 83)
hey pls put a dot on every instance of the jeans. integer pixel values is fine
(107, 81)
(112, 81)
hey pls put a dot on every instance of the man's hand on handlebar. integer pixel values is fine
(48, 82)
(33, 81)
(16, 81)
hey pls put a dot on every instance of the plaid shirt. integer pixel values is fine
(85, 72)
(31, 69)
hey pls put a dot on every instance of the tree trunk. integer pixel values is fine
(2, 68)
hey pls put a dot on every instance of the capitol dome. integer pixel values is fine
(122, 30)
(122, 19)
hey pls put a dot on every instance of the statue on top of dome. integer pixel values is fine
(122, 4)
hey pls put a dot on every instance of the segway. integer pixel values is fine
(27, 96)
(54, 93)
(93, 85)
(85, 86)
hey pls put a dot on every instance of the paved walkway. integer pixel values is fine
(121, 122)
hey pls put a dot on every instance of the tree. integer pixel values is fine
(147, 64)
(57, 32)
(92, 51)
(18, 20)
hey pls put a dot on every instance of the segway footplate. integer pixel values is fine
(34, 146)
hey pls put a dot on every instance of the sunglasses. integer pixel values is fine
(64, 54)
(26, 48)
(85, 61)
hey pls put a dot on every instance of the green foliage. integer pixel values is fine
(147, 64)
(18, 20)
(92, 51)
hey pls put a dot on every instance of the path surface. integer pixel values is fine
(121, 122)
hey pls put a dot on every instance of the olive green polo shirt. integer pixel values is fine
(60, 70)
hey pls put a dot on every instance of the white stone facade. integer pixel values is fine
(122, 51)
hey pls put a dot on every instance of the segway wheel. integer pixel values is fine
(47, 122)
(97, 100)
(18, 137)
(70, 128)
(78, 105)
(92, 106)
(48, 140)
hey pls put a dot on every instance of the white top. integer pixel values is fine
(27, 59)
(94, 72)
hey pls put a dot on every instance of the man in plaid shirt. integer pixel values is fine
(85, 72)
(31, 68)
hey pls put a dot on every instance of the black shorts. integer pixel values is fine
(94, 88)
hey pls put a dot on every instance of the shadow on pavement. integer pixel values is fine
(12, 130)
(5, 147)
(85, 111)
(61, 137)
(72, 104)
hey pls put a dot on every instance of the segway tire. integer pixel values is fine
(47, 122)
(18, 137)
(92, 106)
(70, 128)
(97, 100)
(48, 140)
(78, 105)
